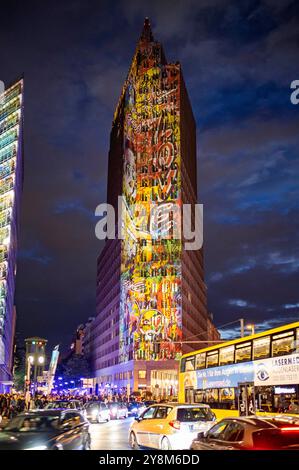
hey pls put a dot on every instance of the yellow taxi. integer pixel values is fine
(170, 426)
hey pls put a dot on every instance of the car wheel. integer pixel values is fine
(133, 441)
(165, 444)
(87, 444)
(108, 418)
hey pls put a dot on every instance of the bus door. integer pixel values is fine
(189, 395)
(246, 399)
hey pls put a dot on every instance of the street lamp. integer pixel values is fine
(251, 327)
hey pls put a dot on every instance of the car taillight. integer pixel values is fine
(175, 424)
(290, 429)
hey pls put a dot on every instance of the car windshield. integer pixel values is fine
(33, 423)
(194, 414)
(54, 405)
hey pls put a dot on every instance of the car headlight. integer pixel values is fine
(37, 448)
(94, 413)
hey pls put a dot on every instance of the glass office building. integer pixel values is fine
(11, 178)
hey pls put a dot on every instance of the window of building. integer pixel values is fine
(261, 348)
(226, 355)
(212, 359)
(142, 374)
(243, 352)
(283, 343)
(200, 361)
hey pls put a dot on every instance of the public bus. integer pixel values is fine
(254, 374)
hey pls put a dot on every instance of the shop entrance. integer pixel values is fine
(246, 399)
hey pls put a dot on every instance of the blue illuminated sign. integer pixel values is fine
(225, 376)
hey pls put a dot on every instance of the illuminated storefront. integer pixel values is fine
(11, 117)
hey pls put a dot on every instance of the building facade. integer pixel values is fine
(151, 296)
(11, 179)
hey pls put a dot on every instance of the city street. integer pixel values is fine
(112, 435)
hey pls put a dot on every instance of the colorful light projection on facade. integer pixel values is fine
(151, 303)
(11, 105)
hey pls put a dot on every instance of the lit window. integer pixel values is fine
(261, 348)
(243, 352)
(200, 361)
(283, 344)
(212, 359)
(142, 374)
(226, 355)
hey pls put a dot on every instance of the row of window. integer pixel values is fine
(12, 93)
(9, 123)
(260, 348)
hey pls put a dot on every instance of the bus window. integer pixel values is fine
(261, 348)
(199, 396)
(212, 358)
(189, 364)
(243, 352)
(226, 355)
(283, 343)
(297, 341)
(227, 395)
(200, 361)
(212, 395)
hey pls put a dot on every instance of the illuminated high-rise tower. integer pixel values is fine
(11, 178)
(151, 294)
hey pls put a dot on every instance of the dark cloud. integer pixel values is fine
(239, 59)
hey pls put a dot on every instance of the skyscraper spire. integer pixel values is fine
(147, 34)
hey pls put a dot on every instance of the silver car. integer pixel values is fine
(170, 426)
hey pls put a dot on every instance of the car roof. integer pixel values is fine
(45, 412)
(182, 405)
(252, 420)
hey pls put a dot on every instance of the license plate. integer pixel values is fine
(194, 427)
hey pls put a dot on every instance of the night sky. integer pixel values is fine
(239, 58)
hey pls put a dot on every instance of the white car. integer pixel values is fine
(170, 426)
(118, 410)
(97, 412)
